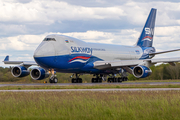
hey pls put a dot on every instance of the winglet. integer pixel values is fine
(6, 58)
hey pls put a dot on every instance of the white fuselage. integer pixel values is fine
(105, 52)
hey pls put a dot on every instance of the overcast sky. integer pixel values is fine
(24, 23)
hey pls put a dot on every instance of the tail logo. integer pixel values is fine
(149, 31)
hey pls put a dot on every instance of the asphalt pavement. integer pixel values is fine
(89, 84)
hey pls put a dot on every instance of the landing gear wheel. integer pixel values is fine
(50, 80)
(94, 80)
(115, 80)
(53, 80)
(110, 80)
(76, 80)
(100, 80)
(97, 79)
(72, 80)
(79, 80)
(119, 79)
(124, 79)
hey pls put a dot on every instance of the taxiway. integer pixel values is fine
(89, 84)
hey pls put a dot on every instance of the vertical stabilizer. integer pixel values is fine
(146, 37)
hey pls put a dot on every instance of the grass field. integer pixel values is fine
(139, 105)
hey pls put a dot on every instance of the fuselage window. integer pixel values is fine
(49, 39)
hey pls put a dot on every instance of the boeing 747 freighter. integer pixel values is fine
(59, 53)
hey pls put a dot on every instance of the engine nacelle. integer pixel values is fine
(141, 71)
(39, 73)
(19, 71)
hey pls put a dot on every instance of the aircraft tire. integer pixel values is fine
(92, 80)
(50, 80)
(55, 80)
(99, 80)
(73, 80)
(119, 79)
(79, 80)
(110, 80)
(115, 80)
(96, 80)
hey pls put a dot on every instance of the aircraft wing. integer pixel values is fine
(155, 53)
(165, 60)
(130, 63)
(24, 63)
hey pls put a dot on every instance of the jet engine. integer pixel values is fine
(19, 71)
(39, 73)
(141, 71)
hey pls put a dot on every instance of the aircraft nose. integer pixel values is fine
(44, 49)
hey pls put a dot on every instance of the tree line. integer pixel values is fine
(159, 72)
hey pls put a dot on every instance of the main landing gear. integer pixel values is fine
(53, 78)
(97, 79)
(119, 79)
(77, 79)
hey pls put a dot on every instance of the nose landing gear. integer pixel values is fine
(53, 78)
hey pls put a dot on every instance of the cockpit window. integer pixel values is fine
(49, 39)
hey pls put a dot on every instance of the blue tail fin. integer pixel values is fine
(146, 37)
(6, 58)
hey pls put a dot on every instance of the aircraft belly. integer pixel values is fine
(67, 63)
